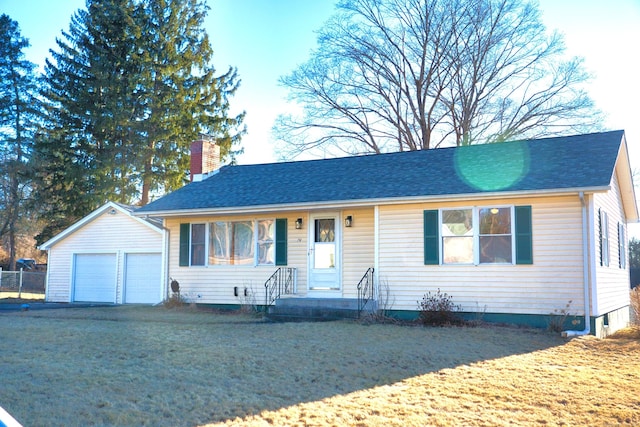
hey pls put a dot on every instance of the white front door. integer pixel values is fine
(324, 253)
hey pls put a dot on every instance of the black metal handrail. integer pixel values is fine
(365, 290)
(280, 283)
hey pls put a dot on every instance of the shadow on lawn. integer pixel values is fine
(323, 360)
(203, 368)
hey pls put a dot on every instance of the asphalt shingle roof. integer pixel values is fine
(549, 164)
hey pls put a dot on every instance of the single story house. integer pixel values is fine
(516, 232)
(110, 256)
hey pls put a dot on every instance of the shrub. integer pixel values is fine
(385, 301)
(248, 301)
(635, 305)
(438, 309)
(176, 300)
(558, 319)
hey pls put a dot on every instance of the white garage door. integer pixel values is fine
(142, 279)
(94, 278)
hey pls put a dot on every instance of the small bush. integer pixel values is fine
(383, 305)
(558, 319)
(248, 300)
(635, 305)
(438, 309)
(174, 301)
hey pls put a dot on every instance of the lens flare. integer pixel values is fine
(494, 168)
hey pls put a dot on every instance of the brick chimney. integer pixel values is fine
(205, 158)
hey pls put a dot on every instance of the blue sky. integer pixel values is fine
(266, 39)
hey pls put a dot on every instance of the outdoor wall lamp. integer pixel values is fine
(348, 221)
(298, 223)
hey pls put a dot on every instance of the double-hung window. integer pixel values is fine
(457, 236)
(266, 241)
(495, 235)
(198, 244)
(478, 235)
(604, 238)
(622, 247)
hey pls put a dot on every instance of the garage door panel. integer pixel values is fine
(142, 278)
(95, 278)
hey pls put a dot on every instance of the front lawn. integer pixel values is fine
(134, 366)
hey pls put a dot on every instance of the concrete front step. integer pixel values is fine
(342, 303)
(313, 309)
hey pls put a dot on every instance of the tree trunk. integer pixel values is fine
(146, 183)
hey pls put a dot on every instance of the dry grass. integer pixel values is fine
(634, 296)
(152, 366)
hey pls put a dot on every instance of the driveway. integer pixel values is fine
(48, 305)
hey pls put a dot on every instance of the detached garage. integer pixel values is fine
(110, 256)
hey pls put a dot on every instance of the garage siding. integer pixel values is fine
(118, 234)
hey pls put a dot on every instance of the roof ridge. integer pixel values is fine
(405, 152)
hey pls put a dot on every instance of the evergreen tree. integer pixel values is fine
(180, 93)
(130, 86)
(77, 160)
(19, 117)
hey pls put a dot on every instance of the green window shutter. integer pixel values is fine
(185, 230)
(431, 238)
(281, 241)
(524, 235)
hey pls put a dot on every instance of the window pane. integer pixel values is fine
(197, 244)
(219, 244)
(242, 242)
(495, 249)
(605, 239)
(325, 230)
(495, 221)
(324, 255)
(266, 248)
(458, 250)
(457, 222)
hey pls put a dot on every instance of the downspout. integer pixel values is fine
(166, 237)
(376, 253)
(585, 273)
(165, 263)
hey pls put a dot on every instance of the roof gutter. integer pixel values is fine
(585, 273)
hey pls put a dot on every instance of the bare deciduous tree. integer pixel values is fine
(395, 75)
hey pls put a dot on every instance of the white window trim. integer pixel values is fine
(256, 245)
(475, 217)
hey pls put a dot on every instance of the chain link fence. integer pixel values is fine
(22, 284)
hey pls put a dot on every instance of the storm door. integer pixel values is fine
(324, 253)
